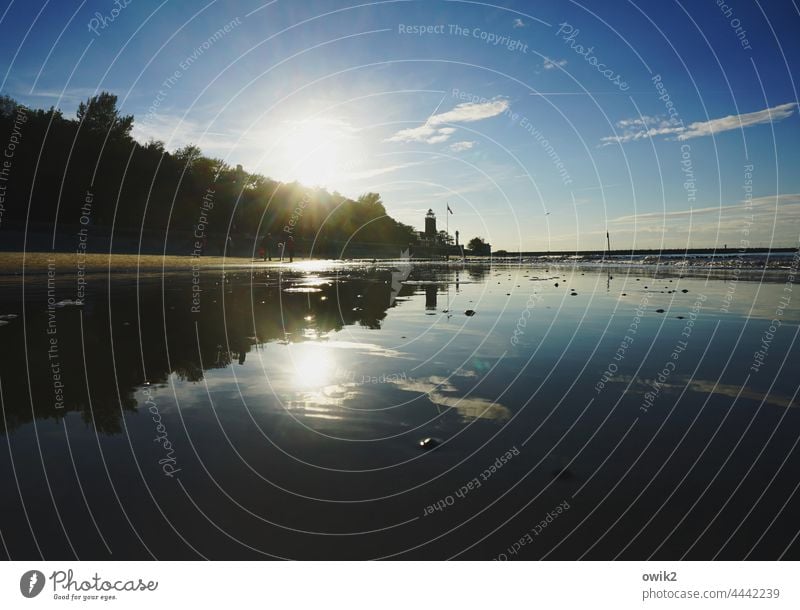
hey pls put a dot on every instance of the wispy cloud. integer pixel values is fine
(642, 127)
(587, 93)
(442, 135)
(176, 131)
(648, 127)
(79, 93)
(597, 187)
(340, 126)
(552, 64)
(735, 121)
(471, 111)
(643, 121)
(785, 203)
(769, 220)
(379, 171)
(461, 146)
(518, 23)
(468, 112)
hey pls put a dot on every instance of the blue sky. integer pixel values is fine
(539, 122)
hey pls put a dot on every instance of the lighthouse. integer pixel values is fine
(430, 225)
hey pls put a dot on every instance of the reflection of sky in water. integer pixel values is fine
(305, 381)
(425, 364)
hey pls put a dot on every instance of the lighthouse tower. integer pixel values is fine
(430, 225)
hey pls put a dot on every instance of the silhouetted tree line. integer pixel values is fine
(57, 160)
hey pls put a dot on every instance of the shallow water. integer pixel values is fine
(267, 411)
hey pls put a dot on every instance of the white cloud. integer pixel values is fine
(647, 127)
(552, 64)
(471, 111)
(643, 121)
(177, 131)
(518, 23)
(414, 134)
(379, 171)
(68, 95)
(735, 121)
(438, 139)
(771, 219)
(467, 112)
(598, 187)
(786, 204)
(641, 127)
(461, 146)
(632, 135)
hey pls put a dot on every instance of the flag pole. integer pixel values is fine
(446, 230)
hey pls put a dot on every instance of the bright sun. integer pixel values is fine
(320, 152)
(312, 366)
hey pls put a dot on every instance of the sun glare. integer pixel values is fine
(313, 367)
(320, 152)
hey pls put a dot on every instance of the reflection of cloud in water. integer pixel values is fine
(329, 396)
(437, 390)
(442, 393)
(315, 380)
(708, 386)
(371, 349)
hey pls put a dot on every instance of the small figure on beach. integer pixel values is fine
(266, 246)
(290, 247)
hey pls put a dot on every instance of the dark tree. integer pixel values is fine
(476, 244)
(156, 146)
(100, 113)
(188, 154)
(7, 106)
(148, 193)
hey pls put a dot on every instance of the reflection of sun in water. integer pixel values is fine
(319, 151)
(312, 366)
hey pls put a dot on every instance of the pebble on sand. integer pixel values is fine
(429, 443)
(469, 312)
